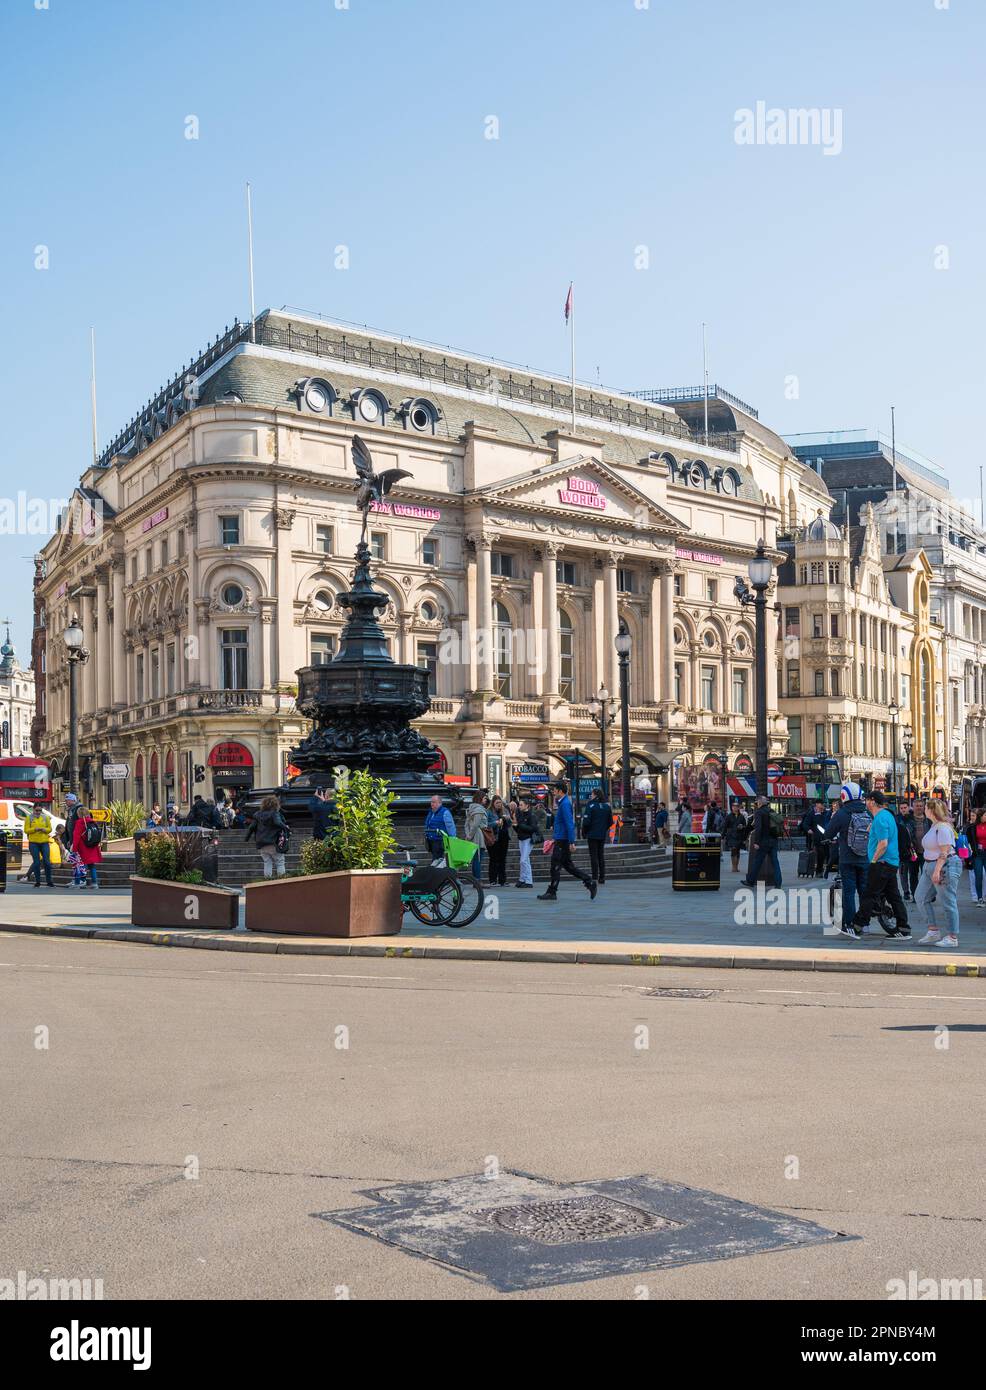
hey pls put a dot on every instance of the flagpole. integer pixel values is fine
(92, 390)
(253, 307)
(572, 292)
(705, 379)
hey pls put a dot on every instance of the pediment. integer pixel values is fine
(582, 488)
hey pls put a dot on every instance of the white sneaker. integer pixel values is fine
(931, 939)
(948, 940)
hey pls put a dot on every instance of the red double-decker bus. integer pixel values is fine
(25, 779)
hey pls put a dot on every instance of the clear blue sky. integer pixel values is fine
(365, 126)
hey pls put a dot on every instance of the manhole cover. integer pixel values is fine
(669, 993)
(573, 1219)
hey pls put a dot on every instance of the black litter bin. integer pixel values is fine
(696, 862)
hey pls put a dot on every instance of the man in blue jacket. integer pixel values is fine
(439, 818)
(323, 808)
(561, 853)
(850, 826)
(596, 821)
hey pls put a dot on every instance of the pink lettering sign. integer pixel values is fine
(582, 492)
(402, 509)
(702, 556)
(150, 522)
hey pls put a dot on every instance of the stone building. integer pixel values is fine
(17, 701)
(915, 509)
(860, 652)
(205, 552)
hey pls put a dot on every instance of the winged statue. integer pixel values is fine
(372, 487)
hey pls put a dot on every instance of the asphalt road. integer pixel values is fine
(160, 1060)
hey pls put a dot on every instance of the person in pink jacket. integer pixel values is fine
(91, 855)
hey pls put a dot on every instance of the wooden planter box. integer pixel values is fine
(162, 903)
(356, 902)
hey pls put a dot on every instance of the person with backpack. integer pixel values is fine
(86, 837)
(850, 829)
(910, 853)
(883, 852)
(272, 831)
(765, 836)
(596, 821)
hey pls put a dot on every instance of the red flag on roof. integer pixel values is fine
(569, 302)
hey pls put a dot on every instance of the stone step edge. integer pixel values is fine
(567, 953)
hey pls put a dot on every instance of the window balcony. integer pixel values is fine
(218, 701)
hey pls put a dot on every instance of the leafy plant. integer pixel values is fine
(173, 857)
(361, 833)
(125, 818)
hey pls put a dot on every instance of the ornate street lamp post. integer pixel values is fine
(603, 715)
(624, 644)
(894, 711)
(74, 637)
(761, 570)
(908, 749)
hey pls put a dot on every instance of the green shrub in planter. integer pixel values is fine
(362, 833)
(169, 857)
(126, 817)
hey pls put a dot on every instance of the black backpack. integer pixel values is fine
(92, 835)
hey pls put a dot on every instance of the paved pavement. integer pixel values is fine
(174, 1122)
(642, 916)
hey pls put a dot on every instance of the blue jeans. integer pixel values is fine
(978, 862)
(854, 878)
(758, 860)
(41, 854)
(477, 866)
(945, 894)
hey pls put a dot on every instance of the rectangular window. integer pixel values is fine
(140, 678)
(740, 690)
(233, 658)
(836, 683)
(819, 682)
(819, 738)
(429, 552)
(817, 572)
(133, 569)
(181, 541)
(679, 585)
(833, 624)
(834, 572)
(712, 590)
(625, 581)
(502, 564)
(708, 688)
(862, 683)
(323, 648)
(566, 572)
(149, 560)
(428, 657)
(229, 530)
(164, 551)
(169, 669)
(155, 673)
(378, 545)
(323, 540)
(793, 678)
(794, 734)
(817, 630)
(679, 683)
(836, 740)
(792, 622)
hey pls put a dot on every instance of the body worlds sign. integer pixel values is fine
(581, 492)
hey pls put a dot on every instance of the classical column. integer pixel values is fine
(611, 662)
(284, 661)
(118, 672)
(88, 673)
(772, 659)
(484, 596)
(103, 640)
(199, 664)
(666, 570)
(549, 616)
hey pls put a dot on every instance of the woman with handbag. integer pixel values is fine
(976, 832)
(940, 877)
(498, 841)
(475, 828)
(272, 831)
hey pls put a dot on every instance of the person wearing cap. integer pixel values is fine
(850, 829)
(72, 809)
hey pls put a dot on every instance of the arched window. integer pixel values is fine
(502, 636)
(566, 654)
